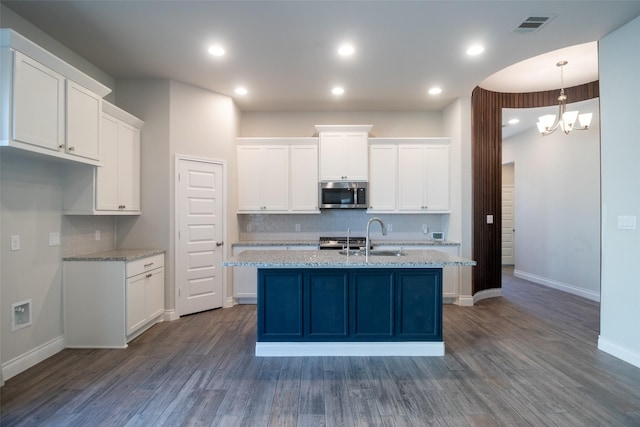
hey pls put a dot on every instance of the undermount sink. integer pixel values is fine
(373, 252)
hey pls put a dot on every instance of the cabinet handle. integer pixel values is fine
(148, 275)
(148, 265)
(121, 207)
(72, 148)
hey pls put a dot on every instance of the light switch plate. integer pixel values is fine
(54, 239)
(489, 219)
(626, 222)
(15, 242)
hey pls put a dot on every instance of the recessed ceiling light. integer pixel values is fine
(514, 121)
(346, 50)
(338, 90)
(241, 90)
(435, 91)
(474, 50)
(216, 50)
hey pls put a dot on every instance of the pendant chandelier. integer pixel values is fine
(565, 120)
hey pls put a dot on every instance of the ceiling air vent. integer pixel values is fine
(532, 24)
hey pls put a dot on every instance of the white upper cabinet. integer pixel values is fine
(83, 122)
(48, 106)
(344, 152)
(383, 177)
(114, 188)
(423, 178)
(277, 175)
(304, 178)
(263, 178)
(38, 104)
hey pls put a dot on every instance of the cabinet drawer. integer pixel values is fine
(145, 264)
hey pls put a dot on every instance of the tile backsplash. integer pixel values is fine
(79, 234)
(335, 223)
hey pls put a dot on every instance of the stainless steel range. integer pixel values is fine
(341, 242)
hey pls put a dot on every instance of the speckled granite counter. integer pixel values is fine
(333, 259)
(116, 255)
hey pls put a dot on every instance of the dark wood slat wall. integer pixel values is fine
(486, 131)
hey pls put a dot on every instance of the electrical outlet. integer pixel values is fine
(98, 235)
(297, 227)
(425, 229)
(21, 315)
(248, 228)
(15, 242)
(489, 219)
(389, 227)
(626, 222)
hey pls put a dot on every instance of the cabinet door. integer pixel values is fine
(383, 168)
(304, 178)
(136, 309)
(275, 178)
(280, 305)
(411, 178)
(419, 305)
(38, 104)
(437, 178)
(83, 117)
(356, 152)
(371, 308)
(107, 175)
(250, 178)
(154, 293)
(128, 168)
(326, 314)
(332, 159)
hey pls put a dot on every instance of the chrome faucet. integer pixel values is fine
(368, 244)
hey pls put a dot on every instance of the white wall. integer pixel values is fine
(619, 92)
(179, 120)
(557, 199)
(302, 123)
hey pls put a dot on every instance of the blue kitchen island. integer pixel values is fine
(324, 303)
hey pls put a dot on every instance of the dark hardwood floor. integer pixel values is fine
(527, 358)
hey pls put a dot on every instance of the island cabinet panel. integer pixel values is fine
(325, 305)
(280, 305)
(349, 305)
(371, 305)
(418, 305)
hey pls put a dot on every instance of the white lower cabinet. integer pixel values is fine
(245, 279)
(108, 303)
(450, 275)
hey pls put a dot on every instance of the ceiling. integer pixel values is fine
(284, 52)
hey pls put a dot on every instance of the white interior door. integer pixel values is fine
(199, 250)
(508, 225)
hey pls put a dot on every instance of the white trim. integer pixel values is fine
(170, 315)
(487, 293)
(228, 302)
(621, 352)
(32, 357)
(565, 287)
(466, 300)
(176, 241)
(294, 349)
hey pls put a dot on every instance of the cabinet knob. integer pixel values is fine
(61, 146)
(72, 148)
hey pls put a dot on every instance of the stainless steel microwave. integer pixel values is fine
(343, 195)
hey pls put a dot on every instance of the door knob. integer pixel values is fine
(219, 243)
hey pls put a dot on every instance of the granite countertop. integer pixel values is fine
(116, 255)
(407, 243)
(333, 259)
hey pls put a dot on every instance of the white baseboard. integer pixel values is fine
(565, 287)
(295, 349)
(170, 315)
(487, 293)
(465, 300)
(31, 358)
(621, 352)
(248, 300)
